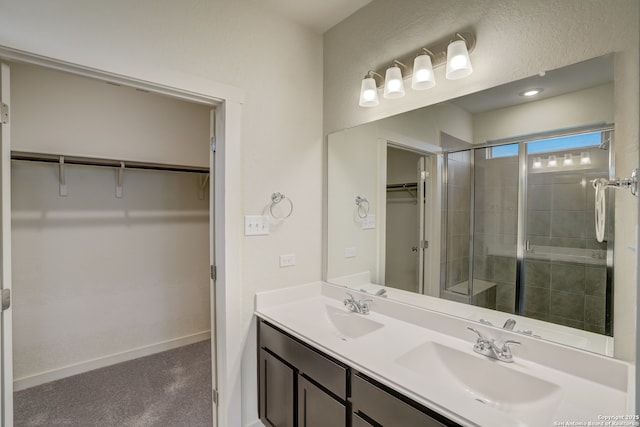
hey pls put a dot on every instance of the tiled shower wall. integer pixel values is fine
(560, 213)
(495, 228)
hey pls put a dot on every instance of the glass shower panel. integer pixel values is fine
(495, 227)
(456, 220)
(565, 271)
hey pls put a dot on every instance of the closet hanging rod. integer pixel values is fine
(401, 187)
(90, 161)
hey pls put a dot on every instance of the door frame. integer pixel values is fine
(6, 317)
(226, 247)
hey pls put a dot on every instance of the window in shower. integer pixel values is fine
(518, 231)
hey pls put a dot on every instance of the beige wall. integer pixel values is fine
(60, 113)
(581, 108)
(515, 39)
(237, 47)
(355, 156)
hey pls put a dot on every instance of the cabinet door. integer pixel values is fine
(276, 392)
(356, 421)
(317, 408)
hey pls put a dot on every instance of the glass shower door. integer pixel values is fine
(565, 271)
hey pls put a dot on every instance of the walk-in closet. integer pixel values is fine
(111, 252)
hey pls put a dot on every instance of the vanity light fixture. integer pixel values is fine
(369, 90)
(458, 62)
(419, 67)
(585, 158)
(537, 163)
(552, 162)
(568, 159)
(423, 77)
(393, 83)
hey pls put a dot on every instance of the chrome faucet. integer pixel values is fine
(489, 348)
(360, 306)
(509, 324)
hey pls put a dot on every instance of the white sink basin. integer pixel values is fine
(350, 325)
(487, 381)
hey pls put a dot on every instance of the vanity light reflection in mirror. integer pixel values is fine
(487, 204)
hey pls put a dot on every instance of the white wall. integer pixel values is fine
(275, 63)
(515, 39)
(95, 276)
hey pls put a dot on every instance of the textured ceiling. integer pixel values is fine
(319, 15)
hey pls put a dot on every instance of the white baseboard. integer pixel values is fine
(101, 362)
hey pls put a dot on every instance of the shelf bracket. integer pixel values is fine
(63, 177)
(119, 180)
(202, 180)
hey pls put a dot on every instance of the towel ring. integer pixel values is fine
(363, 206)
(277, 198)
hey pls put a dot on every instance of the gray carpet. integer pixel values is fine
(171, 389)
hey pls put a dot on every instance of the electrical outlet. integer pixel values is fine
(369, 222)
(287, 260)
(350, 252)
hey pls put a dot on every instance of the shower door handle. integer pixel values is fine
(527, 245)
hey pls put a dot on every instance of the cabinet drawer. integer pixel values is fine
(326, 372)
(386, 409)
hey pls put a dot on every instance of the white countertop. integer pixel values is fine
(589, 386)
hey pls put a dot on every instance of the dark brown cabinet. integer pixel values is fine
(276, 391)
(299, 386)
(316, 408)
(379, 405)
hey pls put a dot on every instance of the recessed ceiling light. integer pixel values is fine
(531, 92)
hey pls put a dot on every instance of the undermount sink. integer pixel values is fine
(348, 324)
(485, 380)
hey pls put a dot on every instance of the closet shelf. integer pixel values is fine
(92, 161)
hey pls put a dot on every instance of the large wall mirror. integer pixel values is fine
(483, 206)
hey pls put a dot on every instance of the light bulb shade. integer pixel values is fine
(458, 62)
(393, 84)
(552, 162)
(537, 163)
(568, 160)
(585, 159)
(369, 92)
(423, 77)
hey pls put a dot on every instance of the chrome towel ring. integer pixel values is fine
(363, 206)
(277, 198)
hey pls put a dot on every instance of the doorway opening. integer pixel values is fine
(119, 249)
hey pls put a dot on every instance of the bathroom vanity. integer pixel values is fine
(329, 392)
(321, 365)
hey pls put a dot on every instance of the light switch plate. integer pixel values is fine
(256, 225)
